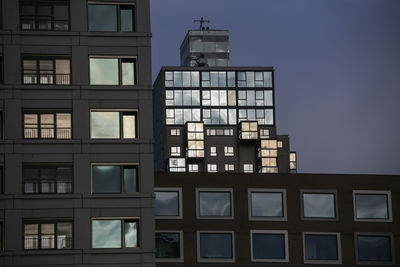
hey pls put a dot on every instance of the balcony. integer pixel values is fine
(58, 79)
(47, 133)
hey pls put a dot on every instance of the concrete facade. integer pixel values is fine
(79, 97)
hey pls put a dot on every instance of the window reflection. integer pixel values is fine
(215, 204)
(216, 246)
(319, 205)
(113, 124)
(166, 203)
(321, 247)
(374, 248)
(266, 204)
(268, 246)
(168, 245)
(372, 206)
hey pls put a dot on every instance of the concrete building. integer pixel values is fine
(77, 142)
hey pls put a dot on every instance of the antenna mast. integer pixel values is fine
(201, 21)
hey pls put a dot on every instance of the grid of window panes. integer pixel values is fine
(44, 70)
(249, 99)
(47, 125)
(177, 164)
(268, 154)
(48, 235)
(248, 130)
(293, 162)
(47, 179)
(195, 137)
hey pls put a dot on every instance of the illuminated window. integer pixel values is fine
(109, 124)
(229, 167)
(228, 151)
(177, 165)
(195, 139)
(112, 70)
(212, 167)
(48, 234)
(248, 168)
(175, 132)
(268, 154)
(175, 151)
(292, 162)
(249, 130)
(193, 167)
(46, 70)
(213, 151)
(47, 125)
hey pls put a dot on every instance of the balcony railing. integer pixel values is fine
(34, 78)
(59, 187)
(48, 133)
(32, 242)
(30, 24)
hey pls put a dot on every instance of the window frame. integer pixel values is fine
(385, 234)
(267, 190)
(39, 222)
(214, 190)
(122, 219)
(118, 7)
(181, 246)
(180, 202)
(338, 247)
(121, 165)
(210, 260)
(39, 112)
(319, 191)
(37, 59)
(120, 60)
(373, 192)
(121, 124)
(286, 239)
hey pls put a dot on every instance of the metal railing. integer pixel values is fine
(60, 242)
(36, 78)
(47, 133)
(30, 24)
(59, 187)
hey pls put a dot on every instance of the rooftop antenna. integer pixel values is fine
(201, 21)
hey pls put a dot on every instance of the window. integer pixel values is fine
(169, 246)
(214, 203)
(372, 206)
(48, 234)
(1, 182)
(180, 116)
(374, 248)
(229, 167)
(107, 17)
(255, 98)
(249, 130)
(112, 70)
(46, 70)
(318, 205)
(219, 116)
(218, 79)
(182, 97)
(175, 151)
(115, 233)
(262, 116)
(47, 125)
(213, 151)
(228, 151)
(280, 144)
(111, 178)
(193, 167)
(47, 178)
(195, 140)
(182, 79)
(293, 162)
(254, 79)
(248, 168)
(219, 132)
(212, 168)
(177, 165)
(267, 204)
(215, 246)
(269, 246)
(44, 15)
(168, 203)
(175, 132)
(264, 133)
(322, 248)
(268, 154)
(109, 124)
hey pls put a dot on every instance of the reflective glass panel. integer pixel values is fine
(104, 71)
(64, 235)
(128, 72)
(266, 204)
(372, 206)
(216, 246)
(106, 179)
(105, 124)
(102, 18)
(321, 247)
(167, 204)
(129, 122)
(126, 18)
(268, 246)
(319, 205)
(106, 234)
(130, 179)
(215, 204)
(167, 245)
(374, 248)
(131, 234)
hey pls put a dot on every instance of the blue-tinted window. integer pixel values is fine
(168, 246)
(374, 248)
(268, 246)
(114, 233)
(267, 204)
(321, 247)
(167, 203)
(319, 205)
(216, 246)
(114, 179)
(215, 204)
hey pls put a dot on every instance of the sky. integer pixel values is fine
(337, 71)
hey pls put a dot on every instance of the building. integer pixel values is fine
(76, 143)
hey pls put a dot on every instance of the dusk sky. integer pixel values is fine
(337, 71)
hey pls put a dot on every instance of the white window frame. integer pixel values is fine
(318, 191)
(267, 190)
(210, 167)
(213, 151)
(284, 232)
(338, 247)
(216, 190)
(180, 204)
(175, 132)
(392, 250)
(227, 151)
(192, 169)
(228, 167)
(181, 258)
(373, 192)
(215, 260)
(175, 151)
(247, 165)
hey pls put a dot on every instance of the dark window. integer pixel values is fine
(47, 179)
(1, 125)
(374, 248)
(44, 15)
(107, 124)
(46, 70)
(372, 205)
(168, 245)
(321, 247)
(48, 235)
(215, 204)
(319, 205)
(1, 235)
(115, 233)
(47, 125)
(109, 17)
(217, 246)
(112, 71)
(1, 181)
(114, 179)
(269, 246)
(167, 203)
